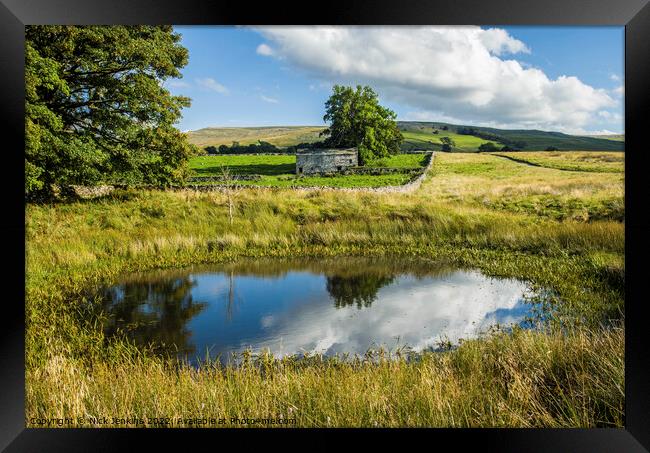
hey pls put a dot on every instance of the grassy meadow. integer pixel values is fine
(493, 182)
(558, 224)
(429, 140)
(595, 162)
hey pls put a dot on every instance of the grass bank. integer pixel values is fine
(569, 374)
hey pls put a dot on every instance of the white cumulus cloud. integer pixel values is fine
(213, 85)
(269, 99)
(264, 49)
(498, 41)
(442, 71)
(417, 311)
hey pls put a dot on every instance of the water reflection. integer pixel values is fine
(360, 290)
(328, 306)
(154, 312)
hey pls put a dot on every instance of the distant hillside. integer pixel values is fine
(427, 140)
(276, 135)
(533, 140)
(417, 136)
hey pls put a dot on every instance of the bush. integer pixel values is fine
(260, 147)
(489, 146)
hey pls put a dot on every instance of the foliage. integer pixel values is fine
(357, 120)
(489, 146)
(448, 143)
(360, 290)
(96, 109)
(261, 147)
(253, 148)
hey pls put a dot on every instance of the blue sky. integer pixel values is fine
(553, 78)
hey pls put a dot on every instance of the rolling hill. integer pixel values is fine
(534, 140)
(276, 135)
(417, 136)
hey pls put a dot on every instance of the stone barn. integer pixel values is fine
(330, 160)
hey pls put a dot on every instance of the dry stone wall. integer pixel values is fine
(85, 192)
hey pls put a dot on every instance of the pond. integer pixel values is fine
(328, 306)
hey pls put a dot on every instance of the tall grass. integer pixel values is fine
(527, 379)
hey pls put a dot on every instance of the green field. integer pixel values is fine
(552, 227)
(279, 171)
(400, 161)
(428, 140)
(270, 165)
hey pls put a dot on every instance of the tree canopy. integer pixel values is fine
(489, 146)
(447, 143)
(357, 120)
(96, 108)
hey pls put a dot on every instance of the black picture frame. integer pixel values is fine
(633, 14)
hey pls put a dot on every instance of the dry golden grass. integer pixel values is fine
(279, 136)
(590, 161)
(522, 380)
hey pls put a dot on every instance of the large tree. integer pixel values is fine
(96, 108)
(357, 120)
